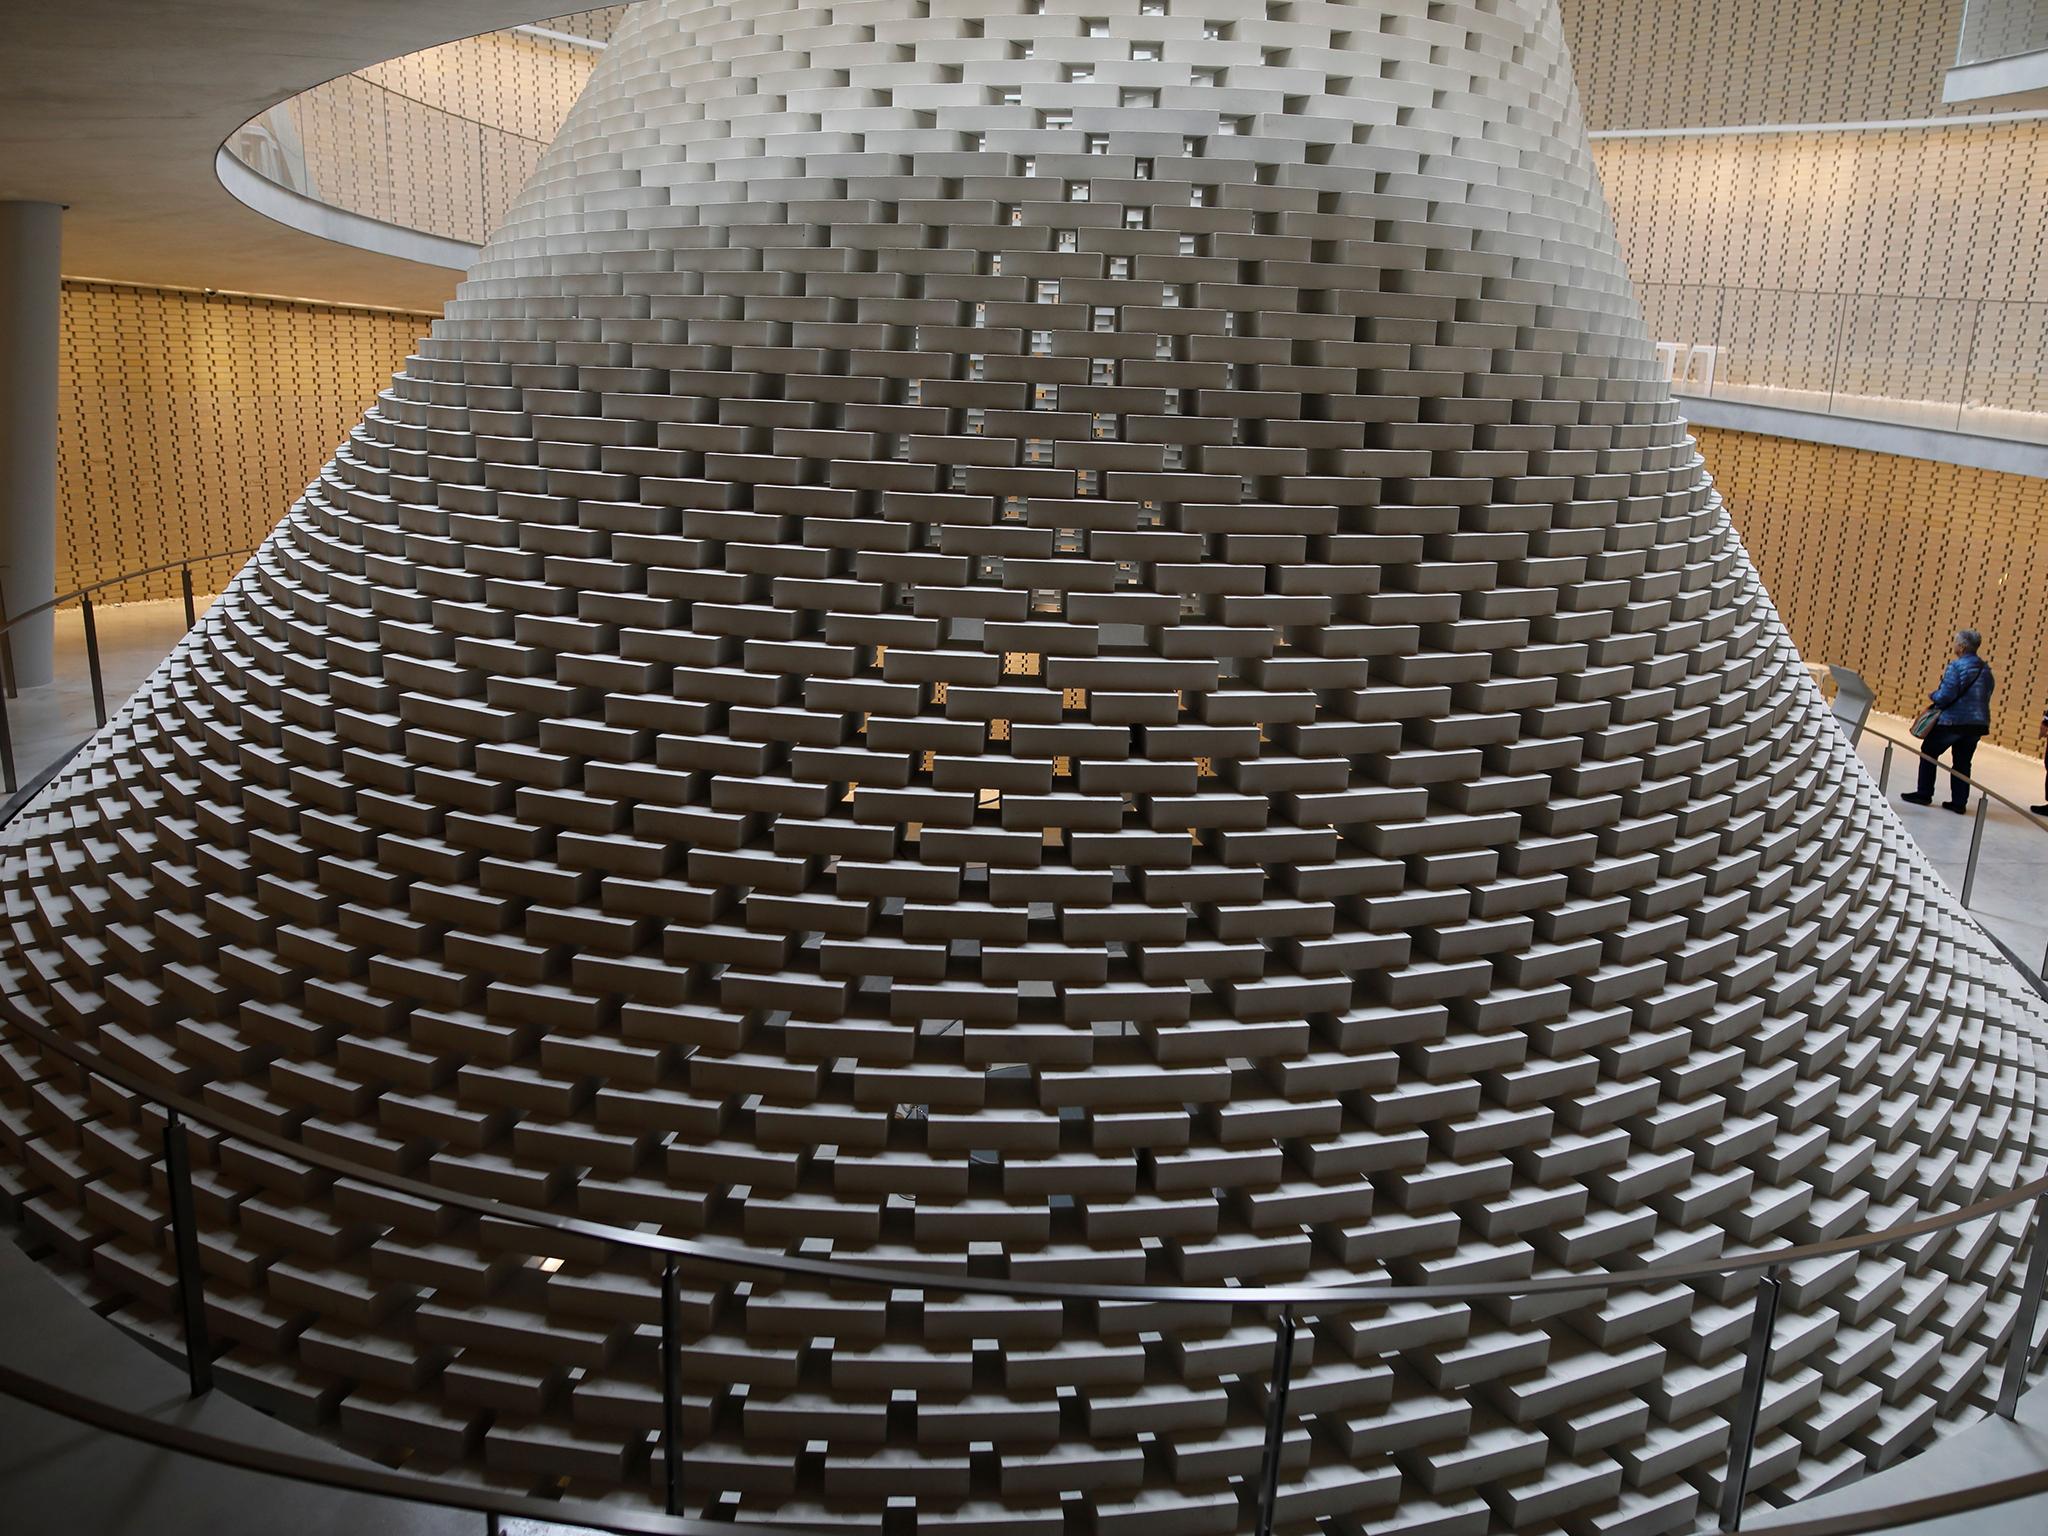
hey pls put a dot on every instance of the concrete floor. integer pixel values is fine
(58, 1476)
(1987, 1452)
(45, 723)
(2012, 868)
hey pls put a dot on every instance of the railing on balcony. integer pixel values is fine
(1999, 29)
(1921, 360)
(360, 146)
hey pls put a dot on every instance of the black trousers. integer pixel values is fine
(1960, 742)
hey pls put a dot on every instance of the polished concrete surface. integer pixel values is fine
(60, 1476)
(45, 723)
(2012, 868)
(1984, 1453)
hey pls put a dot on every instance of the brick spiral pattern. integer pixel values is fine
(1065, 639)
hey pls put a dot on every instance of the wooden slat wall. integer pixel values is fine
(1876, 561)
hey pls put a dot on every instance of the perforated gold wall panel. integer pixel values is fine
(443, 139)
(1702, 63)
(1876, 561)
(510, 80)
(1949, 212)
(1901, 265)
(184, 419)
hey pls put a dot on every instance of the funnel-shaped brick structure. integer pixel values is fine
(1058, 639)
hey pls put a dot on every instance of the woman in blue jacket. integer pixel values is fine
(1964, 698)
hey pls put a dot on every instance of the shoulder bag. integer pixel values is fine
(1925, 720)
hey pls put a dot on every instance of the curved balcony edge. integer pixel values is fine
(326, 221)
(1872, 434)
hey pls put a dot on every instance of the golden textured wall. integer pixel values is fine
(443, 140)
(511, 80)
(1851, 266)
(1952, 211)
(1876, 561)
(1700, 63)
(1904, 264)
(188, 422)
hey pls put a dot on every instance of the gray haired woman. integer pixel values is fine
(1963, 697)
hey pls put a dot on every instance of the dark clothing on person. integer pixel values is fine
(1960, 742)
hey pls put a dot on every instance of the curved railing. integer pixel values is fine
(95, 666)
(2000, 29)
(360, 146)
(1986, 795)
(368, 149)
(1290, 1302)
(1287, 1305)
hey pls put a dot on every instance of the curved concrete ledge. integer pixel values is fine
(62, 1476)
(325, 221)
(1967, 449)
(2009, 76)
(1986, 1452)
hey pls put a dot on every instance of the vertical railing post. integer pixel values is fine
(7, 748)
(191, 608)
(2019, 1354)
(1969, 362)
(185, 1245)
(671, 1392)
(92, 662)
(1720, 314)
(1276, 1420)
(1835, 349)
(1884, 769)
(1976, 846)
(1756, 1374)
(7, 648)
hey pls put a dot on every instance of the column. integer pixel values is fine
(29, 297)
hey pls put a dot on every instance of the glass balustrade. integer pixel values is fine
(1923, 360)
(1999, 29)
(360, 146)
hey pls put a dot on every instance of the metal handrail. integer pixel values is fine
(358, 1477)
(1986, 794)
(2020, 1356)
(377, 1482)
(1335, 1297)
(83, 596)
(185, 563)
(420, 101)
(504, 154)
(2039, 823)
(1291, 1301)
